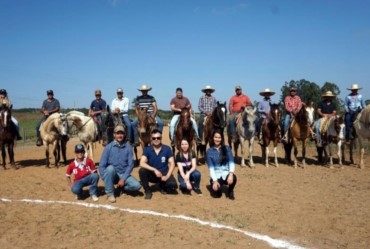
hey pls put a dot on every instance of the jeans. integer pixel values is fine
(195, 177)
(286, 122)
(349, 117)
(89, 180)
(126, 120)
(232, 126)
(173, 122)
(15, 122)
(201, 126)
(38, 125)
(134, 124)
(147, 176)
(111, 177)
(223, 182)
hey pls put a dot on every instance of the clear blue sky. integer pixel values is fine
(75, 47)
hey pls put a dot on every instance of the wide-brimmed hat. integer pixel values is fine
(144, 88)
(354, 87)
(119, 128)
(267, 91)
(79, 148)
(119, 90)
(97, 92)
(328, 94)
(293, 88)
(208, 88)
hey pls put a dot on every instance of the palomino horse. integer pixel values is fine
(86, 130)
(362, 127)
(7, 136)
(271, 133)
(299, 131)
(145, 125)
(245, 131)
(54, 131)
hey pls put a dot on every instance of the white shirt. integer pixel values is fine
(122, 104)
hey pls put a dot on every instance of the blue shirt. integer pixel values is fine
(98, 106)
(217, 170)
(160, 161)
(351, 103)
(119, 156)
(264, 106)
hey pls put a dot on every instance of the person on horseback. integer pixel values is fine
(49, 106)
(236, 105)
(263, 109)
(120, 106)
(293, 104)
(325, 109)
(4, 101)
(207, 103)
(177, 104)
(146, 101)
(353, 102)
(97, 107)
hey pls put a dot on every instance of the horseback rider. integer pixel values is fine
(293, 105)
(263, 109)
(177, 104)
(353, 102)
(120, 106)
(97, 107)
(207, 103)
(146, 101)
(49, 106)
(325, 109)
(4, 101)
(236, 105)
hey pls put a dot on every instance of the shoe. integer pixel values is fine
(39, 142)
(148, 195)
(198, 191)
(19, 138)
(163, 191)
(136, 144)
(111, 198)
(231, 195)
(94, 198)
(78, 197)
(284, 140)
(185, 192)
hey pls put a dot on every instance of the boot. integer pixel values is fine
(39, 142)
(18, 136)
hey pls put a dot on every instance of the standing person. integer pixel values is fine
(207, 103)
(157, 164)
(97, 107)
(353, 102)
(5, 101)
(236, 105)
(84, 172)
(264, 110)
(177, 104)
(221, 166)
(187, 175)
(49, 106)
(146, 101)
(116, 165)
(120, 106)
(293, 105)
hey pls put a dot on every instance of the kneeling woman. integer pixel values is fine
(221, 166)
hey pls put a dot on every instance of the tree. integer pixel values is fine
(308, 91)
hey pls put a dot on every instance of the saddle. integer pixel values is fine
(238, 118)
(324, 125)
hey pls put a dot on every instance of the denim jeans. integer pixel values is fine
(286, 122)
(173, 122)
(38, 125)
(195, 177)
(232, 127)
(111, 177)
(134, 124)
(201, 126)
(126, 120)
(89, 180)
(223, 182)
(348, 122)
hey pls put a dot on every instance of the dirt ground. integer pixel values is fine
(315, 207)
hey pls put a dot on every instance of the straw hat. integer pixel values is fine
(328, 94)
(293, 88)
(119, 128)
(208, 87)
(144, 88)
(119, 90)
(354, 87)
(267, 91)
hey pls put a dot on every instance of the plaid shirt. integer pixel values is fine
(292, 103)
(207, 104)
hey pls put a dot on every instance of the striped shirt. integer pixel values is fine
(292, 103)
(145, 101)
(207, 104)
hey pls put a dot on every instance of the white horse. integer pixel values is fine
(86, 130)
(362, 127)
(245, 131)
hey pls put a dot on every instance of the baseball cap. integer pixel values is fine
(119, 90)
(238, 88)
(50, 92)
(79, 148)
(119, 128)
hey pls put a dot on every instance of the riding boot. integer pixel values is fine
(18, 136)
(320, 151)
(39, 141)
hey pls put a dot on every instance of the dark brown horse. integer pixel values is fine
(184, 130)
(271, 133)
(7, 136)
(145, 125)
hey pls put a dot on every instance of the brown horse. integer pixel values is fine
(184, 130)
(271, 133)
(7, 136)
(145, 125)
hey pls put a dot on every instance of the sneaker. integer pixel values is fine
(78, 197)
(231, 195)
(39, 142)
(198, 191)
(163, 191)
(111, 198)
(185, 192)
(148, 195)
(94, 198)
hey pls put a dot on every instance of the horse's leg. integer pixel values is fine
(339, 152)
(47, 154)
(304, 153)
(361, 152)
(266, 157)
(3, 154)
(275, 154)
(64, 150)
(295, 152)
(251, 141)
(56, 152)
(11, 154)
(351, 152)
(330, 156)
(241, 141)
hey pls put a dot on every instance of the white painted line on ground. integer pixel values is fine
(276, 243)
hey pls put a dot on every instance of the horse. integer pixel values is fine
(299, 131)
(245, 131)
(86, 130)
(184, 129)
(362, 127)
(145, 125)
(271, 133)
(109, 122)
(7, 136)
(54, 131)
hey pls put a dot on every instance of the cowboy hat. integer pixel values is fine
(144, 88)
(208, 87)
(119, 128)
(354, 87)
(119, 90)
(267, 91)
(293, 88)
(328, 94)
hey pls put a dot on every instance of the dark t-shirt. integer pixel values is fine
(186, 164)
(160, 161)
(49, 106)
(325, 108)
(98, 106)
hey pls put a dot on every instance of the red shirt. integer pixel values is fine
(238, 101)
(292, 103)
(81, 170)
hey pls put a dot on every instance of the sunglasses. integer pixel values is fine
(156, 138)
(98, 95)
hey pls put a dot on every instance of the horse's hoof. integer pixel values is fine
(276, 165)
(266, 165)
(14, 167)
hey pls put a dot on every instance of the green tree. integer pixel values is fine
(306, 90)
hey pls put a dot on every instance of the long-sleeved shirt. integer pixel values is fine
(264, 106)
(293, 103)
(217, 170)
(122, 104)
(119, 156)
(352, 102)
(207, 104)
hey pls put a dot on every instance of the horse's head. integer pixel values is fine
(63, 124)
(60, 123)
(249, 118)
(219, 115)
(275, 113)
(302, 117)
(185, 118)
(143, 119)
(5, 116)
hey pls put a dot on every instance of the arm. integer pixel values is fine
(231, 166)
(346, 103)
(171, 167)
(126, 105)
(68, 175)
(211, 167)
(155, 109)
(130, 161)
(363, 105)
(144, 164)
(104, 160)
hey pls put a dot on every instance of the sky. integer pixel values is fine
(75, 47)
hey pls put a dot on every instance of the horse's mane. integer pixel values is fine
(76, 113)
(302, 117)
(364, 117)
